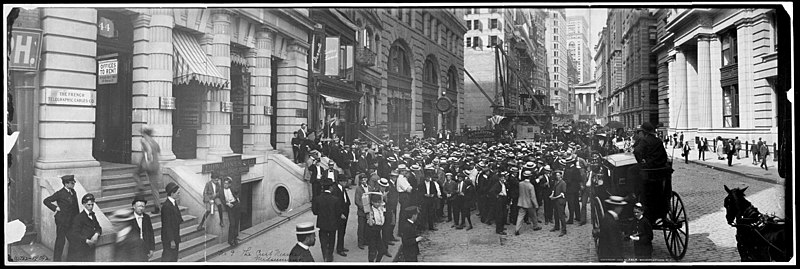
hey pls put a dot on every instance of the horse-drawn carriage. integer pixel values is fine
(621, 175)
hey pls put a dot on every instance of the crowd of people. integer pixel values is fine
(516, 185)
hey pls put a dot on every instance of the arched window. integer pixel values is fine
(430, 71)
(398, 61)
(370, 42)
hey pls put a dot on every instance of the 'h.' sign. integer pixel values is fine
(26, 44)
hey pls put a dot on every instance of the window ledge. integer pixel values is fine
(770, 56)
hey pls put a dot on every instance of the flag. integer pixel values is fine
(496, 119)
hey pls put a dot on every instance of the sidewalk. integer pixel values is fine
(274, 244)
(743, 167)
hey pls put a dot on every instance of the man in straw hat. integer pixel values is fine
(306, 238)
(388, 189)
(65, 208)
(610, 238)
(361, 210)
(171, 224)
(527, 203)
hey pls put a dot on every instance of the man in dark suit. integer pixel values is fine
(296, 143)
(230, 198)
(211, 194)
(326, 208)
(340, 192)
(611, 235)
(306, 238)
(171, 220)
(499, 192)
(66, 208)
(331, 174)
(139, 242)
(84, 233)
(388, 189)
(302, 135)
(431, 192)
(409, 234)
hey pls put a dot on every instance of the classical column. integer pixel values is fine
(682, 103)
(715, 96)
(260, 92)
(152, 79)
(214, 134)
(672, 92)
(692, 92)
(703, 82)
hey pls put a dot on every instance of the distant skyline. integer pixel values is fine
(596, 23)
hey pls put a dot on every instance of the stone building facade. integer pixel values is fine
(723, 73)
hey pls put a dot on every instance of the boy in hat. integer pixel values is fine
(306, 238)
(84, 232)
(211, 194)
(375, 220)
(610, 239)
(171, 224)
(139, 243)
(65, 208)
(409, 234)
(642, 235)
(558, 196)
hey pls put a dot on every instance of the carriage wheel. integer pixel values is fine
(597, 215)
(676, 228)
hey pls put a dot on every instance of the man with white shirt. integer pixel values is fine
(404, 188)
(84, 233)
(231, 199)
(141, 236)
(431, 192)
(340, 192)
(499, 191)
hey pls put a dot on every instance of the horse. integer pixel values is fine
(759, 237)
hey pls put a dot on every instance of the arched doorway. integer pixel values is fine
(399, 91)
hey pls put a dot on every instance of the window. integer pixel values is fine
(555, 92)
(400, 14)
(729, 54)
(469, 27)
(469, 42)
(774, 23)
(555, 85)
(555, 54)
(730, 106)
(555, 23)
(476, 24)
(555, 30)
(555, 69)
(493, 40)
(493, 24)
(398, 61)
(492, 10)
(555, 77)
(556, 106)
(555, 46)
(469, 11)
(477, 42)
(555, 61)
(429, 73)
(476, 10)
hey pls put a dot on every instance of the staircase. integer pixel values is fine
(118, 191)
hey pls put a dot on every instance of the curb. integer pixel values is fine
(762, 179)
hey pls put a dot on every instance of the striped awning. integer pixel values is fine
(191, 63)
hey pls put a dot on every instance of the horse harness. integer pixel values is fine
(756, 223)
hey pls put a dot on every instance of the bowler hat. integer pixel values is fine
(305, 228)
(647, 127)
(616, 200)
(67, 179)
(139, 198)
(171, 187)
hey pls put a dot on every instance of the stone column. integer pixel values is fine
(214, 134)
(681, 102)
(257, 138)
(715, 96)
(152, 79)
(292, 93)
(692, 93)
(66, 131)
(703, 87)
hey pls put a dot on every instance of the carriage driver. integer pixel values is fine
(652, 157)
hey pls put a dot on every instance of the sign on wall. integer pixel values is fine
(107, 71)
(26, 45)
(105, 27)
(61, 96)
(166, 103)
(226, 107)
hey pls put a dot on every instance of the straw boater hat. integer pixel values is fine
(394, 173)
(383, 182)
(616, 200)
(429, 167)
(547, 168)
(416, 167)
(305, 228)
(529, 165)
(402, 167)
(527, 173)
(391, 159)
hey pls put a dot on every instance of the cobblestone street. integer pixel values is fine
(700, 187)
